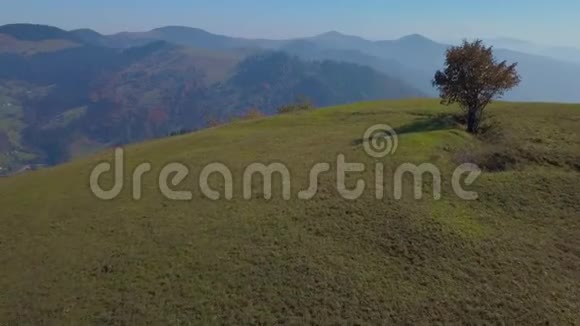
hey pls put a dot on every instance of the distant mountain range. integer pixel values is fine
(570, 54)
(549, 74)
(65, 94)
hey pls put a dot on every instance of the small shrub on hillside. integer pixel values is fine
(178, 132)
(301, 104)
(252, 113)
(213, 121)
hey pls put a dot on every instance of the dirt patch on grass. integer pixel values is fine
(501, 149)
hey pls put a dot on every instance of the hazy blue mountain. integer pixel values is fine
(543, 78)
(95, 91)
(195, 37)
(417, 58)
(412, 59)
(324, 82)
(310, 49)
(337, 40)
(33, 32)
(571, 54)
(549, 74)
(187, 36)
(89, 36)
(564, 53)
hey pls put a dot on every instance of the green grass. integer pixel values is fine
(512, 256)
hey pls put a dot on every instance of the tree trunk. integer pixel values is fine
(472, 120)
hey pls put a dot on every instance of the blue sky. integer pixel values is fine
(554, 22)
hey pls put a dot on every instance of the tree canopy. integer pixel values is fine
(473, 77)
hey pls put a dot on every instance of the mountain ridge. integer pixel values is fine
(412, 58)
(36, 32)
(74, 100)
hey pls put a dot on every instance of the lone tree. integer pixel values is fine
(473, 78)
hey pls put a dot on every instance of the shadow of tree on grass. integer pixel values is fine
(428, 122)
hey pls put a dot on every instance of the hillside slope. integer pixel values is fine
(511, 256)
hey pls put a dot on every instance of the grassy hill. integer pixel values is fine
(511, 256)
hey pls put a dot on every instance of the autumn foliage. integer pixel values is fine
(473, 78)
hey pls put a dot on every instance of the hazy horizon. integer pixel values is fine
(552, 24)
